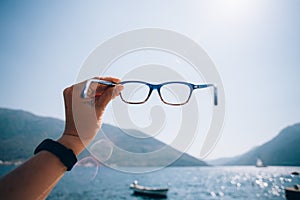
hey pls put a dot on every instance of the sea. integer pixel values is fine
(228, 183)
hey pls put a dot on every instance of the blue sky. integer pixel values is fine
(254, 44)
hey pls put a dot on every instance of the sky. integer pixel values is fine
(254, 44)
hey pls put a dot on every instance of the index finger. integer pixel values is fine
(110, 79)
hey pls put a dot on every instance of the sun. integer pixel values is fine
(234, 10)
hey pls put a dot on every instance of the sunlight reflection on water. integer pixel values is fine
(226, 183)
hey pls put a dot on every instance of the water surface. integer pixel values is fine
(183, 182)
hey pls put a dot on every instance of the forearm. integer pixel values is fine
(32, 178)
(35, 178)
(48, 191)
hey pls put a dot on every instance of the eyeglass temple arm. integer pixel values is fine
(88, 83)
(209, 85)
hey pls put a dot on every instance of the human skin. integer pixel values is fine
(36, 177)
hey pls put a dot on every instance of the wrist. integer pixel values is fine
(72, 142)
(64, 154)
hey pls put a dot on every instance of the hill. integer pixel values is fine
(21, 132)
(283, 150)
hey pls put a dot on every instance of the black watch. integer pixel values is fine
(65, 155)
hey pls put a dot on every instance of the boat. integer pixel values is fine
(148, 191)
(295, 173)
(292, 193)
(259, 163)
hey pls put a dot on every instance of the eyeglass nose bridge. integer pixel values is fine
(155, 87)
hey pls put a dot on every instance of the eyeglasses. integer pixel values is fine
(174, 93)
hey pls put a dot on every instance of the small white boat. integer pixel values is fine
(149, 191)
(259, 163)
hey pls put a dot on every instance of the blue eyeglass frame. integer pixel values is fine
(153, 87)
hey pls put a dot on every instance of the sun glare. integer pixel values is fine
(234, 10)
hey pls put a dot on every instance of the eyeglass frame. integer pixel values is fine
(151, 88)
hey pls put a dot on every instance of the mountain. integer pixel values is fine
(283, 150)
(21, 132)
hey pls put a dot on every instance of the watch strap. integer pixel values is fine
(65, 155)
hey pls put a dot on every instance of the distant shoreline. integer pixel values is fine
(16, 163)
(19, 162)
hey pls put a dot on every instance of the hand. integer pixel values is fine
(84, 116)
(35, 178)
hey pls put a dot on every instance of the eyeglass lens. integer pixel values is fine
(135, 92)
(175, 93)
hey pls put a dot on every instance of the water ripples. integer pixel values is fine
(209, 183)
